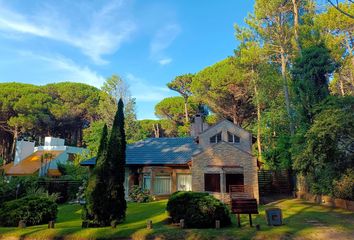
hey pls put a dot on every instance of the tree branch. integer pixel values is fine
(336, 6)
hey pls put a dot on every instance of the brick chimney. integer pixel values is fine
(198, 126)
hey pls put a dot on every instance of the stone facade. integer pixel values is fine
(222, 157)
(225, 158)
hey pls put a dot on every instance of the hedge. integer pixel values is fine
(33, 210)
(199, 210)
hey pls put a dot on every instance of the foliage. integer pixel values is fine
(116, 147)
(199, 210)
(220, 87)
(157, 128)
(172, 108)
(137, 194)
(33, 210)
(311, 72)
(327, 149)
(13, 187)
(105, 192)
(96, 189)
(344, 187)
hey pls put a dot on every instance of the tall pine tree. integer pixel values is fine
(116, 161)
(97, 186)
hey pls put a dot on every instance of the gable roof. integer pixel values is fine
(224, 121)
(158, 151)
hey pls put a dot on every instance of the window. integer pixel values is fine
(212, 182)
(216, 138)
(232, 138)
(233, 179)
(147, 182)
(162, 185)
(184, 182)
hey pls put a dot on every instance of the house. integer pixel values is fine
(41, 160)
(211, 160)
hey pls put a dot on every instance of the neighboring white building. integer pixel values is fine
(41, 160)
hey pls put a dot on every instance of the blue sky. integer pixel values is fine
(147, 43)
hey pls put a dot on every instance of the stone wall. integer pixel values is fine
(225, 158)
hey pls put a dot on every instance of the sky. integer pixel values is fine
(146, 42)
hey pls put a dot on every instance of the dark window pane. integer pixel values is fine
(230, 137)
(212, 182)
(219, 136)
(236, 139)
(233, 179)
(213, 139)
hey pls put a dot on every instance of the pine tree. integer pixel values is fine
(116, 161)
(96, 190)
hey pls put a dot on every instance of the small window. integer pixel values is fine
(212, 182)
(147, 182)
(184, 182)
(162, 185)
(232, 138)
(216, 138)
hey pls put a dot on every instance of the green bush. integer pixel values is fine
(33, 210)
(199, 210)
(344, 187)
(137, 194)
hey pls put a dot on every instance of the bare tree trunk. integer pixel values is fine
(259, 143)
(13, 147)
(156, 130)
(296, 25)
(286, 91)
(186, 109)
(341, 87)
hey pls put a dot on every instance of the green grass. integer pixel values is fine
(302, 220)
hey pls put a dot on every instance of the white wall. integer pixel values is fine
(23, 150)
(51, 141)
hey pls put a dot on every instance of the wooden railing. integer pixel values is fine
(240, 192)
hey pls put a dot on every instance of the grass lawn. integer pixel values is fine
(302, 220)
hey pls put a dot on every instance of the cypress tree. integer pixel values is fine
(116, 171)
(96, 190)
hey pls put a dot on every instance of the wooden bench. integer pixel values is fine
(244, 206)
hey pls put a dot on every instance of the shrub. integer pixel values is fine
(137, 194)
(344, 187)
(32, 209)
(199, 210)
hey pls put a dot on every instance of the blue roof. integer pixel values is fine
(158, 151)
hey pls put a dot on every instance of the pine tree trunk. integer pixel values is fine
(341, 85)
(186, 109)
(259, 143)
(296, 25)
(286, 91)
(13, 147)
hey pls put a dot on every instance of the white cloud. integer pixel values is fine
(103, 34)
(165, 61)
(65, 69)
(145, 92)
(162, 39)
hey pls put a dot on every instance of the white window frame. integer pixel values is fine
(178, 185)
(233, 137)
(145, 177)
(163, 177)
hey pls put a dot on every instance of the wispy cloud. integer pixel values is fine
(67, 69)
(162, 39)
(145, 92)
(165, 61)
(104, 33)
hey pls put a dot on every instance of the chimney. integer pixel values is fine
(198, 126)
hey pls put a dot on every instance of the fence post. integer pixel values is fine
(149, 224)
(22, 224)
(51, 224)
(181, 223)
(217, 224)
